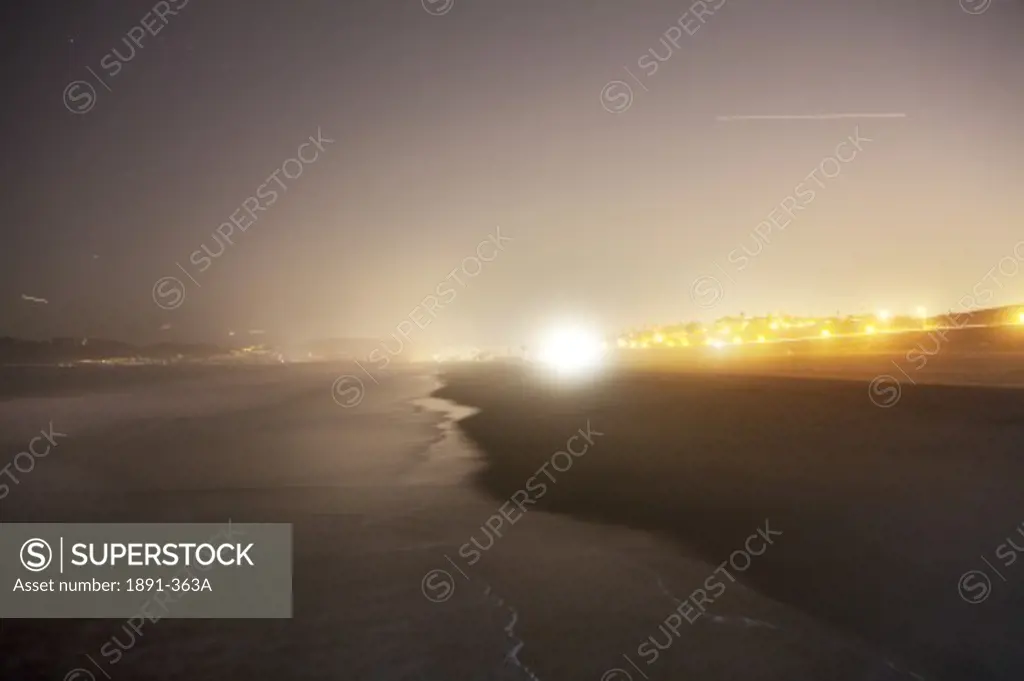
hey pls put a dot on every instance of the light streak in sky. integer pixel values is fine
(808, 117)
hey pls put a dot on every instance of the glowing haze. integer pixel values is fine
(625, 151)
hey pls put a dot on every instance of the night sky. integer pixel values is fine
(449, 120)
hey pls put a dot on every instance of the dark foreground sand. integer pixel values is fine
(882, 510)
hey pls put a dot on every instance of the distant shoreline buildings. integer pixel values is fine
(741, 330)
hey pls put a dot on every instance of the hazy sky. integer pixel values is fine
(451, 119)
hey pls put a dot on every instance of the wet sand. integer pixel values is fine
(883, 510)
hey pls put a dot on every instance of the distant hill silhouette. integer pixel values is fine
(21, 351)
(58, 350)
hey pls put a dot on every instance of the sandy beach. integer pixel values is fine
(883, 510)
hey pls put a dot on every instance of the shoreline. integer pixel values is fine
(883, 509)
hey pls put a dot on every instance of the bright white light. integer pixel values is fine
(572, 351)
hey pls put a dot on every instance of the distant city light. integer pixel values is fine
(726, 331)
